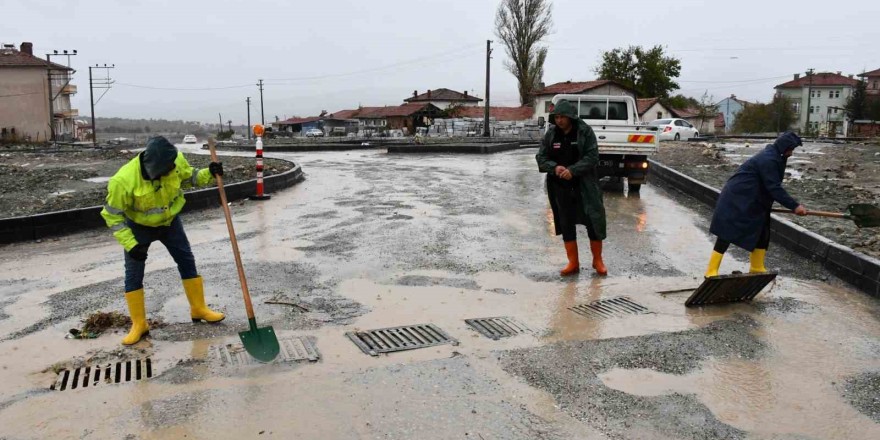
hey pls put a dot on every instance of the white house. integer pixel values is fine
(544, 95)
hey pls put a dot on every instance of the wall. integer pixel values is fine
(28, 113)
(729, 107)
(651, 114)
(610, 89)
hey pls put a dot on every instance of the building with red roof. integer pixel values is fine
(818, 100)
(872, 81)
(24, 96)
(544, 94)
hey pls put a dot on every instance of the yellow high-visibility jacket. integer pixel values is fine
(148, 202)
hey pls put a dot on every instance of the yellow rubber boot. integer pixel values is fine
(714, 264)
(138, 313)
(195, 293)
(756, 261)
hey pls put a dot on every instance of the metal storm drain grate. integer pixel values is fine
(292, 350)
(497, 328)
(92, 376)
(609, 308)
(409, 337)
(730, 288)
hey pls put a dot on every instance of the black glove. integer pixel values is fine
(216, 169)
(138, 252)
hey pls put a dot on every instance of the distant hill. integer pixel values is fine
(157, 126)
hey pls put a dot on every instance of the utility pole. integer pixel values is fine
(102, 83)
(230, 125)
(220, 127)
(809, 99)
(49, 76)
(486, 132)
(262, 113)
(248, 100)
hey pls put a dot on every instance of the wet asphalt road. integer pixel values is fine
(373, 240)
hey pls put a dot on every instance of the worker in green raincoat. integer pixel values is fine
(143, 201)
(569, 154)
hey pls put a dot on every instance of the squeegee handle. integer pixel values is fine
(241, 278)
(814, 213)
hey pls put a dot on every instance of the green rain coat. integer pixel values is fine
(592, 205)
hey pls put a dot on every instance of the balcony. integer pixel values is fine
(69, 89)
(67, 113)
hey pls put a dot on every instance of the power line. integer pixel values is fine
(139, 86)
(430, 58)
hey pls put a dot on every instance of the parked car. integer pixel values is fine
(675, 129)
(189, 139)
(314, 132)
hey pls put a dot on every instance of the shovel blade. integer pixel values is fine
(864, 215)
(261, 343)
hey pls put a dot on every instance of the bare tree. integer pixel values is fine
(521, 25)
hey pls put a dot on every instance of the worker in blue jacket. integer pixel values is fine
(742, 214)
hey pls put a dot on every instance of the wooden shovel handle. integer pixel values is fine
(241, 278)
(814, 213)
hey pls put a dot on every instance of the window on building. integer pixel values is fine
(659, 115)
(796, 106)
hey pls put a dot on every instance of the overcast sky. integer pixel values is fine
(334, 55)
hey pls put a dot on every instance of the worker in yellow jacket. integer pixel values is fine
(143, 200)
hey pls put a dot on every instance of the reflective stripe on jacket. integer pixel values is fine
(148, 202)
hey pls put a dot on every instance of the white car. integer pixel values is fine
(675, 129)
(314, 132)
(189, 139)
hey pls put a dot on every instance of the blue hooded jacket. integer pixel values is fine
(743, 208)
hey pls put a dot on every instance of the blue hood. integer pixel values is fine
(787, 141)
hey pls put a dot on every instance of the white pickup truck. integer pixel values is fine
(625, 143)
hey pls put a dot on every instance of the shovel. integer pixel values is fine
(863, 215)
(261, 343)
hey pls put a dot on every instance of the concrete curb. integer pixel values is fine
(856, 268)
(33, 227)
(458, 148)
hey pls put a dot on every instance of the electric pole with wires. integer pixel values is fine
(262, 113)
(807, 127)
(486, 131)
(248, 100)
(99, 83)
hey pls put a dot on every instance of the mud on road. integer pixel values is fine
(371, 240)
(39, 182)
(823, 177)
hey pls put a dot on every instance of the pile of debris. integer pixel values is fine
(458, 127)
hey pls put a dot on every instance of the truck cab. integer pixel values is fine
(625, 143)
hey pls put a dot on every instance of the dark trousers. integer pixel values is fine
(174, 238)
(763, 241)
(568, 202)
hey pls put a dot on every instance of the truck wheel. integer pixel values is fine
(635, 187)
(677, 137)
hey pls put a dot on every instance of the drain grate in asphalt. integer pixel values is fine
(292, 350)
(609, 308)
(497, 328)
(92, 376)
(408, 337)
(730, 288)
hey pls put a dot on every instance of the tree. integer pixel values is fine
(647, 71)
(521, 25)
(776, 116)
(857, 104)
(680, 101)
(707, 110)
